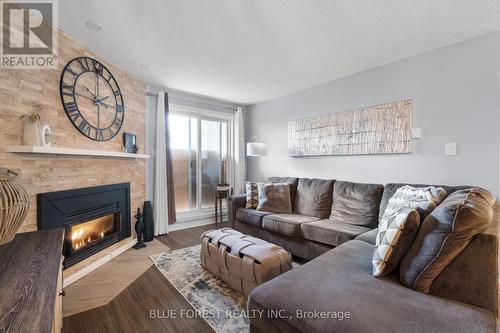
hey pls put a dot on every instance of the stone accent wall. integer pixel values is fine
(20, 90)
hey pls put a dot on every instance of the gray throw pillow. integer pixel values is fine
(444, 234)
(274, 198)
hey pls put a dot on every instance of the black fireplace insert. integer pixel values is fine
(94, 218)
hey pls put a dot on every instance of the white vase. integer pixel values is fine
(31, 134)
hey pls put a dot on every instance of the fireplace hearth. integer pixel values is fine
(93, 218)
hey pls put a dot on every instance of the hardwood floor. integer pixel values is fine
(130, 310)
(108, 281)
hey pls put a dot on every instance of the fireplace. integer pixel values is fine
(93, 218)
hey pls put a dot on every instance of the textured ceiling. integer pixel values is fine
(247, 51)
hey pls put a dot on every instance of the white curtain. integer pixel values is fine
(239, 152)
(160, 182)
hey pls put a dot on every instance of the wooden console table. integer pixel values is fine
(31, 282)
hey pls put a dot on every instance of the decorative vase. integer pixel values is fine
(31, 133)
(139, 229)
(14, 205)
(149, 224)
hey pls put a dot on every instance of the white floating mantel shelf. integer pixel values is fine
(71, 151)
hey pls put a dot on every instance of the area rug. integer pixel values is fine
(222, 307)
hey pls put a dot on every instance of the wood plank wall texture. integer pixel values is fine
(20, 90)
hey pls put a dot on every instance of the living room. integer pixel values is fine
(249, 166)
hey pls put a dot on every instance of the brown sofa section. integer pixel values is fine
(308, 232)
(251, 216)
(297, 246)
(331, 232)
(340, 245)
(341, 281)
(286, 224)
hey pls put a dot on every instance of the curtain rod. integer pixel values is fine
(215, 102)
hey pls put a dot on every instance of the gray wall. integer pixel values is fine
(456, 99)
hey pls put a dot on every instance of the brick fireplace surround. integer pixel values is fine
(20, 90)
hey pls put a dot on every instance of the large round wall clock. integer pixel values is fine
(92, 98)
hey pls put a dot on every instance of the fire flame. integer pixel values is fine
(79, 239)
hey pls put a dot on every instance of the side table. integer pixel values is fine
(222, 191)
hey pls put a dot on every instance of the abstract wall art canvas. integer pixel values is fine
(378, 129)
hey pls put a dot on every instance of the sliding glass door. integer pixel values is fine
(199, 147)
(184, 145)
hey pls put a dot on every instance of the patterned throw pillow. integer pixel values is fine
(252, 195)
(423, 199)
(400, 222)
(394, 238)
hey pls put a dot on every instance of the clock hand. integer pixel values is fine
(106, 105)
(96, 83)
(78, 94)
(90, 92)
(102, 99)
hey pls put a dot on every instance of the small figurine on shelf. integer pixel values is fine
(130, 143)
(139, 230)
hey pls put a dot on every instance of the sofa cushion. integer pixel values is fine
(356, 203)
(341, 281)
(251, 216)
(331, 232)
(293, 181)
(286, 224)
(252, 192)
(274, 197)
(369, 236)
(393, 240)
(314, 197)
(444, 234)
(390, 189)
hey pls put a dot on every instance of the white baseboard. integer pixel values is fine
(191, 224)
(96, 264)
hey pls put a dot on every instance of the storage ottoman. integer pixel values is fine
(241, 261)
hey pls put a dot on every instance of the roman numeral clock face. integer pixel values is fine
(92, 99)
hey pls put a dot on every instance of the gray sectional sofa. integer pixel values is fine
(333, 224)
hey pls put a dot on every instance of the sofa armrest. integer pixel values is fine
(234, 203)
(472, 277)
